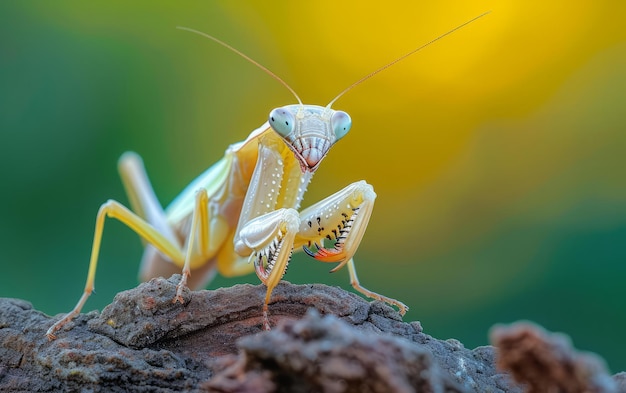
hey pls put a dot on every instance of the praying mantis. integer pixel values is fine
(242, 214)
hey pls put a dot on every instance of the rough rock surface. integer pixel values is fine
(324, 340)
(547, 362)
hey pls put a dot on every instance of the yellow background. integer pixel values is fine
(497, 153)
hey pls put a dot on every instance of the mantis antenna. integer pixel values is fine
(368, 76)
(358, 82)
(256, 63)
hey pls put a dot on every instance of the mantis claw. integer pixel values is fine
(326, 254)
(266, 319)
(178, 299)
(182, 285)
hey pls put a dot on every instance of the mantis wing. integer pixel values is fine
(215, 176)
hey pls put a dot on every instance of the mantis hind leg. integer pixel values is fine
(149, 233)
(145, 204)
(200, 246)
(149, 223)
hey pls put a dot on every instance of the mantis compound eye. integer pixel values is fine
(282, 121)
(341, 123)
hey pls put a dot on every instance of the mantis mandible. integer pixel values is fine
(241, 214)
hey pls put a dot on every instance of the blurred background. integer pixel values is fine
(497, 154)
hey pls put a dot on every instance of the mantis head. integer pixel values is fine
(309, 131)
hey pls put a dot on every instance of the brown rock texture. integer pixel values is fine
(547, 362)
(324, 339)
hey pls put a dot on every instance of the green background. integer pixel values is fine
(497, 154)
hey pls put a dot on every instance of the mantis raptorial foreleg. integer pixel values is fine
(269, 241)
(341, 219)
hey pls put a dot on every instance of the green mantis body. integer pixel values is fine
(242, 214)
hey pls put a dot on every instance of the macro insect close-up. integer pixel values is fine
(242, 213)
(471, 183)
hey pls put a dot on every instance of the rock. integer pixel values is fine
(323, 339)
(547, 362)
(327, 355)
